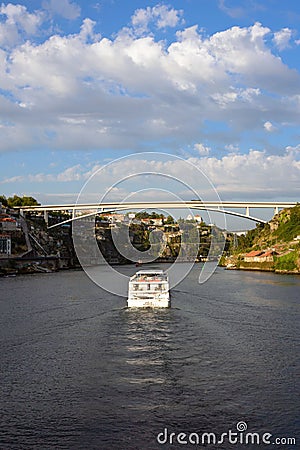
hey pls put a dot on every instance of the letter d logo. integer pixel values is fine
(162, 437)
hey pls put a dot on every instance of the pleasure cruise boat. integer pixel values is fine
(149, 289)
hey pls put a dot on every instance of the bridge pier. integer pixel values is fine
(247, 211)
(276, 210)
(46, 217)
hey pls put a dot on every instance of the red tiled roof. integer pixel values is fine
(268, 253)
(254, 253)
(7, 219)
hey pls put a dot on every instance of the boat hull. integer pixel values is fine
(149, 302)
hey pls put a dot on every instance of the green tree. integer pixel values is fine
(21, 201)
(169, 220)
(3, 200)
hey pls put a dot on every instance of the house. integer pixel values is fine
(8, 224)
(260, 256)
(253, 256)
(152, 221)
(157, 221)
(198, 218)
(113, 217)
(268, 256)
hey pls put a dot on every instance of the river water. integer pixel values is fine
(80, 371)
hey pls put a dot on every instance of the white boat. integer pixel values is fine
(149, 289)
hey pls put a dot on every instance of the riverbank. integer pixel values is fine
(260, 269)
(40, 264)
(238, 263)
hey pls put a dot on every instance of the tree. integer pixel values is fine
(169, 220)
(3, 200)
(16, 201)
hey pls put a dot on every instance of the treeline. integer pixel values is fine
(11, 202)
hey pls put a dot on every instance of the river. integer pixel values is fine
(80, 371)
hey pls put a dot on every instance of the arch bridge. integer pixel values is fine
(225, 207)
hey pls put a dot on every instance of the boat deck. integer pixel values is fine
(147, 276)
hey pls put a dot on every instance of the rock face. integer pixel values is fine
(274, 224)
(282, 217)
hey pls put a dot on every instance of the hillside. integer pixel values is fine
(274, 246)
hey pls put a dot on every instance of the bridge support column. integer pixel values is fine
(276, 210)
(21, 213)
(247, 211)
(46, 217)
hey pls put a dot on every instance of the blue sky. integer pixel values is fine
(215, 82)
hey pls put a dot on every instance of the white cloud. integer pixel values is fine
(63, 8)
(141, 18)
(253, 174)
(282, 38)
(17, 23)
(87, 30)
(202, 149)
(232, 148)
(268, 126)
(81, 91)
(74, 173)
(166, 16)
(162, 16)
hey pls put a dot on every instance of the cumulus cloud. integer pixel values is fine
(162, 16)
(202, 149)
(17, 23)
(282, 38)
(232, 175)
(255, 174)
(81, 91)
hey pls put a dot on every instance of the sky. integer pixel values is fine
(214, 82)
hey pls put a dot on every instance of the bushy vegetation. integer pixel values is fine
(145, 215)
(289, 226)
(287, 261)
(14, 201)
(246, 242)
